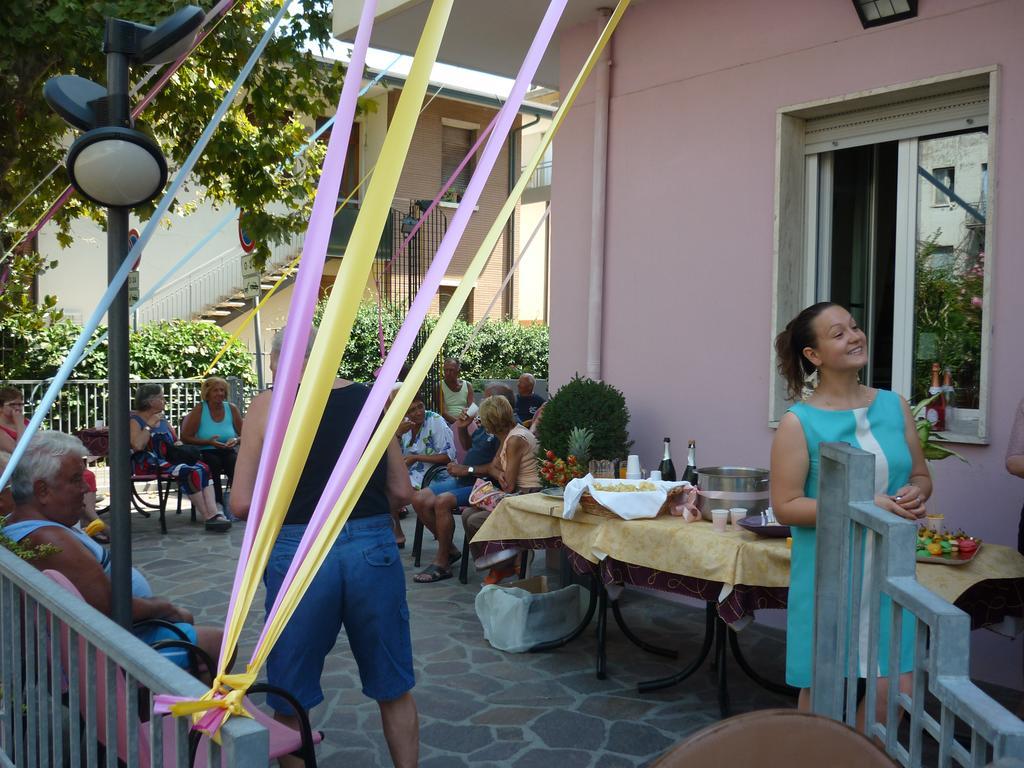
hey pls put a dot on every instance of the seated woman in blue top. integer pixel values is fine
(824, 344)
(155, 450)
(214, 426)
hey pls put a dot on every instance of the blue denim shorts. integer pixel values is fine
(454, 486)
(360, 586)
(151, 635)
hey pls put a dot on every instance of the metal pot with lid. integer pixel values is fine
(727, 487)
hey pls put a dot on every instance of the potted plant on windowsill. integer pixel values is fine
(932, 447)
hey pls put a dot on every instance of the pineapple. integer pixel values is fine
(580, 439)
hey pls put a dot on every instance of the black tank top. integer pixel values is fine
(339, 417)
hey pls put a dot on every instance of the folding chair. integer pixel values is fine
(164, 484)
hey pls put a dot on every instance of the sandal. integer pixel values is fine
(432, 573)
(218, 524)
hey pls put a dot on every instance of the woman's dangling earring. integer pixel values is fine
(810, 384)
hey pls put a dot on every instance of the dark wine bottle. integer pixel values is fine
(668, 469)
(690, 473)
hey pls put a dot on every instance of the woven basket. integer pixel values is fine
(591, 506)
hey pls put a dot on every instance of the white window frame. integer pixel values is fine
(804, 134)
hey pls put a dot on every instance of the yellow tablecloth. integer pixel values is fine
(695, 549)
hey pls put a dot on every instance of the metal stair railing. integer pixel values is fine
(849, 526)
(216, 281)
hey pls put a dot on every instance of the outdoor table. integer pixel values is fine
(735, 572)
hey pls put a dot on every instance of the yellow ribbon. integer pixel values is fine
(273, 289)
(336, 326)
(389, 424)
(226, 694)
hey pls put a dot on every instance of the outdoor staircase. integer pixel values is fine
(226, 309)
(212, 292)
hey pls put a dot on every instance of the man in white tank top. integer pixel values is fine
(456, 395)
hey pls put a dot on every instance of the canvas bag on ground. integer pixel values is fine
(516, 619)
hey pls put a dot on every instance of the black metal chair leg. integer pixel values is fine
(723, 683)
(678, 677)
(464, 565)
(734, 644)
(602, 631)
(637, 641)
(417, 543)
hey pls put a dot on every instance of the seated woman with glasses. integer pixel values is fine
(155, 449)
(12, 427)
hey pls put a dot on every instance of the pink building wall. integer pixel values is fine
(688, 288)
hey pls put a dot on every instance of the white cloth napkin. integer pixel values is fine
(637, 505)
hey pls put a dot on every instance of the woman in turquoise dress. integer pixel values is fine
(820, 355)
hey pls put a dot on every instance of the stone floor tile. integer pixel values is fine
(636, 739)
(507, 715)
(559, 728)
(554, 758)
(462, 739)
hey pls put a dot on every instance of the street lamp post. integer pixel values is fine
(118, 167)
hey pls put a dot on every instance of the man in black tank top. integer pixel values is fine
(360, 586)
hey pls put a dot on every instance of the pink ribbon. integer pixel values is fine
(305, 292)
(370, 414)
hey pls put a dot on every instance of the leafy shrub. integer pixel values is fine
(501, 349)
(182, 349)
(591, 404)
(167, 350)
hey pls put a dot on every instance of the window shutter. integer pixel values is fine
(455, 143)
(855, 125)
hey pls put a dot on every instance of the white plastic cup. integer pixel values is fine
(99, 424)
(473, 410)
(720, 519)
(736, 514)
(633, 467)
(655, 475)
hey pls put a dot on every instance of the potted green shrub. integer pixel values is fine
(585, 404)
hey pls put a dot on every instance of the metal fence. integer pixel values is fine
(59, 657)
(849, 527)
(83, 402)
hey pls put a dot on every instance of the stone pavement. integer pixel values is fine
(478, 706)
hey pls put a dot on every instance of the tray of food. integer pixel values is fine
(946, 548)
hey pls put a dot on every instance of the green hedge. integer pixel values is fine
(501, 349)
(166, 350)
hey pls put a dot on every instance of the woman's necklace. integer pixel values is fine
(837, 402)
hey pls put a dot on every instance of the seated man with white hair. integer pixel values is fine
(48, 493)
(527, 402)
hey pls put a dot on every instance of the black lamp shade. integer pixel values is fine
(171, 37)
(70, 96)
(873, 13)
(117, 167)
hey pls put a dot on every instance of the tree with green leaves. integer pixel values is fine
(247, 163)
